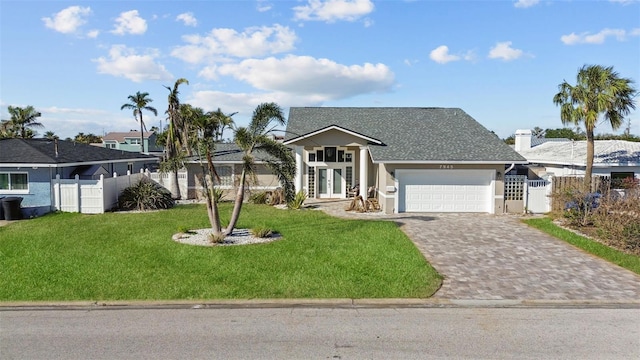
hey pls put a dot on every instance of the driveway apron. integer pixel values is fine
(497, 257)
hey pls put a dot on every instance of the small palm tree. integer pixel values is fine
(21, 122)
(50, 135)
(256, 137)
(175, 144)
(138, 102)
(599, 92)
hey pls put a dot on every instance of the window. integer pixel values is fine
(330, 154)
(135, 141)
(319, 155)
(110, 145)
(226, 175)
(312, 156)
(340, 155)
(348, 157)
(14, 181)
(618, 179)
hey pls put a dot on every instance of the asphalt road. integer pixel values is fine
(322, 333)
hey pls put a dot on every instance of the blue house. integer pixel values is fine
(29, 166)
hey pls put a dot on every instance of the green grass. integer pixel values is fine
(118, 256)
(627, 261)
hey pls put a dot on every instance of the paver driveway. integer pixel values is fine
(493, 257)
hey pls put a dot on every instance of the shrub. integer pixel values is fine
(216, 239)
(258, 198)
(145, 195)
(262, 232)
(276, 197)
(298, 200)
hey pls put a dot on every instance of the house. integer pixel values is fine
(130, 141)
(228, 159)
(29, 166)
(413, 159)
(616, 158)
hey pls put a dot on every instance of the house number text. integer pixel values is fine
(446, 166)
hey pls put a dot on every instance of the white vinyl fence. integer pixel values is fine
(537, 196)
(90, 196)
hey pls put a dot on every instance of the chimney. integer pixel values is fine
(523, 140)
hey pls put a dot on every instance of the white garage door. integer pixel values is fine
(445, 190)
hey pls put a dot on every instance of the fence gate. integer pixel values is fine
(538, 196)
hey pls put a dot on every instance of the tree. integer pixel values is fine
(137, 103)
(538, 132)
(50, 135)
(175, 144)
(87, 138)
(21, 122)
(599, 93)
(565, 133)
(280, 160)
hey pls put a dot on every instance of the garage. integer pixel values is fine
(448, 190)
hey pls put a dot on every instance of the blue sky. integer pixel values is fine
(500, 61)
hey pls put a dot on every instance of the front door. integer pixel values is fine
(331, 183)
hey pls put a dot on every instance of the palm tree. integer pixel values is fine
(599, 92)
(256, 137)
(50, 135)
(137, 103)
(203, 141)
(174, 155)
(222, 121)
(21, 122)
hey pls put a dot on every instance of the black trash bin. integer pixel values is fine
(1, 209)
(11, 207)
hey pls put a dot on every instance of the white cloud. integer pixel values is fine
(504, 51)
(598, 38)
(333, 10)
(255, 41)
(263, 5)
(624, 2)
(93, 34)
(129, 22)
(441, 55)
(188, 19)
(525, 3)
(321, 79)
(68, 20)
(124, 62)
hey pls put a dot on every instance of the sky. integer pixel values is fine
(500, 61)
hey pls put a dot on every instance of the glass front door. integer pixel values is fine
(331, 183)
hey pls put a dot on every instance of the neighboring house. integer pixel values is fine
(414, 159)
(28, 167)
(616, 158)
(228, 164)
(130, 141)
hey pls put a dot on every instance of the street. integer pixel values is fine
(321, 333)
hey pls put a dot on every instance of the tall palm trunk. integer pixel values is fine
(141, 134)
(237, 206)
(212, 204)
(590, 152)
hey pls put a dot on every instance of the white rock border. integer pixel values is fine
(200, 237)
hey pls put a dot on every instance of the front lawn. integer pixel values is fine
(627, 261)
(118, 256)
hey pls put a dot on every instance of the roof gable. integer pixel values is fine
(408, 134)
(329, 128)
(44, 151)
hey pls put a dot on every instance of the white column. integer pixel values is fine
(299, 168)
(364, 170)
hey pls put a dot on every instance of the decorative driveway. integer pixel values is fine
(497, 257)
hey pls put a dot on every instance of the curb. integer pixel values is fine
(315, 303)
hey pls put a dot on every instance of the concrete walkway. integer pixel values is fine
(496, 257)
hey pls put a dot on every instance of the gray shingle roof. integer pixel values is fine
(409, 134)
(42, 151)
(230, 152)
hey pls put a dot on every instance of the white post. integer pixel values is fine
(299, 168)
(58, 194)
(102, 192)
(525, 195)
(364, 165)
(78, 193)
